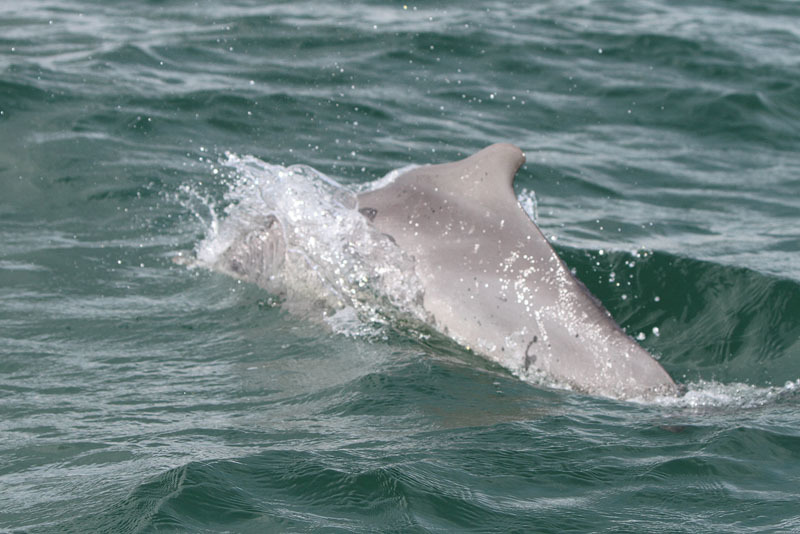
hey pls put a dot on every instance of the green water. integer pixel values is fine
(136, 395)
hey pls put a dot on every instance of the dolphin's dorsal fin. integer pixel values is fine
(485, 176)
(483, 183)
(494, 166)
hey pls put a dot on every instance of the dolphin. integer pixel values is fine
(493, 283)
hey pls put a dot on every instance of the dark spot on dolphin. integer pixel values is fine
(369, 213)
(237, 267)
(530, 357)
(271, 221)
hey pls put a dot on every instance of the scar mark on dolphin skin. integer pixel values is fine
(369, 213)
(529, 357)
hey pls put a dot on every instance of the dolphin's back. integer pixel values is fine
(493, 283)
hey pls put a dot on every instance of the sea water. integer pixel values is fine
(143, 390)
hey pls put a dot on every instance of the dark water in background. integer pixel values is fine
(663, 143)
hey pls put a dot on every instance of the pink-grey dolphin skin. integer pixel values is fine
(494, 284)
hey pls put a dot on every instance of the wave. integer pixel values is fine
(539, 471)
(705, 321)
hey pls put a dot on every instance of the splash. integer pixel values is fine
(707, 395)
(527, 199)
(298, 234)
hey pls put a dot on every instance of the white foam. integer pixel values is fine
(704, 394)
(298, 234)
(389, 178)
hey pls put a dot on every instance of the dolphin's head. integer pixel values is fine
(257, 254)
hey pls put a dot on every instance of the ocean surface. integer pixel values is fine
(142, 391)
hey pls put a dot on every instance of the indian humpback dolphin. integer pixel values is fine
(494, 284)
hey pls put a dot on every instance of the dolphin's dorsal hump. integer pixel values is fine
(493, 167)
(486, 175)
(483, 179)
